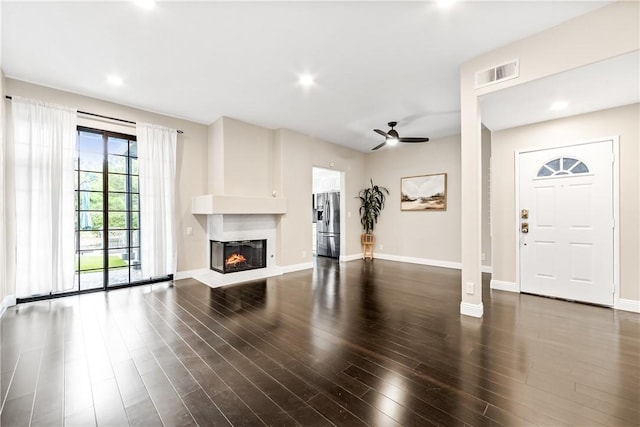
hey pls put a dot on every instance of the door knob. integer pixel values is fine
(524, 227)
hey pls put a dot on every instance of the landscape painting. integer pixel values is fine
(424, 193)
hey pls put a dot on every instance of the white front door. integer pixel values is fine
(566, 222)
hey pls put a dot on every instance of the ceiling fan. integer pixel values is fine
(392, 137)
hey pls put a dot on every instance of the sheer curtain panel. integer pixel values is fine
(157, 171)
(42, 146)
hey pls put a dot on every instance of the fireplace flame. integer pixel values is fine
(235, 259)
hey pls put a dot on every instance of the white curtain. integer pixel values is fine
(4, 274)
(41, 149)
(157, 169)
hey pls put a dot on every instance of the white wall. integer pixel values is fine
(191, 168)
(427, 235)
(623, 122)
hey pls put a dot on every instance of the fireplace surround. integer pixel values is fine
(238, 255)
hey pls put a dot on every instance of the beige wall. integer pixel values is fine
(215, 154)
(191, 170)
(623, 122)
(602, 34)
(296, 154)
(426, 235)
(247, 158)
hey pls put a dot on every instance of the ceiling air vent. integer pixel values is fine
(499, 73)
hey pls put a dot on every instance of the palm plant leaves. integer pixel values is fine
(371, 204)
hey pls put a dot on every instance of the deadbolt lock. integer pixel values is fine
(524, 214)
(524, 227)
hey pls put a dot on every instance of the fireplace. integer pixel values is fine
(240, 255)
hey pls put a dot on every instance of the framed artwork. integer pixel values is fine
(424, 193)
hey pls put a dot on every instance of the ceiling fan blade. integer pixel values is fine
(379, 146)
(411, 139)
(386, 135)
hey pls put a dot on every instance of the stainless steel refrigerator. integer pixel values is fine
(327, 218)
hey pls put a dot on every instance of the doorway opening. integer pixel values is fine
(327, 206)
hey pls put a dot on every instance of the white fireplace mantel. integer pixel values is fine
(215, 204)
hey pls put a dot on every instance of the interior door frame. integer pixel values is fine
(616, 206)
(343, 207)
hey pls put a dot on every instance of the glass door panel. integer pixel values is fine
(107, 211)
(124, 262)
(89, 211)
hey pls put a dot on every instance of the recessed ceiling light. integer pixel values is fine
(114, 80)
(306, 80)
(559, 105)
(146, 4)
(445, 3)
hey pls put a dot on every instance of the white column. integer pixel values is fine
(471, 217)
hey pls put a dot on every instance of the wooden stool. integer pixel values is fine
(367, 240)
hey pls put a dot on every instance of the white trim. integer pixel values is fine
(570, 144)
(505, 286)
(423, 261)
(8, 301)
(627, 305)
(187, 274)
(413, 260)
(229, 278)
(616, 220)
(352, 257)
(214, 279)
(486, 269)
(615, 140)
(296, 267)
(473, 310)
(516, 184)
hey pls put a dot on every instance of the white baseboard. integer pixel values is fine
(413, 260)
(504, 286)
(422, 261)
(627, 305)
(473, 310)
(296, 267)
(352, 257)
(187, 274)
(8, 301)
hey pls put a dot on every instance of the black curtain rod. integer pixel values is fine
(102, 117)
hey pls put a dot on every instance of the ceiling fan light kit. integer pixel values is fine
(392, 137)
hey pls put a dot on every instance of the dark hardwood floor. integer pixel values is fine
(376, 343)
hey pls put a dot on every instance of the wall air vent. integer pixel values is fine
(508, 70)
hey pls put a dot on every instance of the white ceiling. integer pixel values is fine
(373, 62)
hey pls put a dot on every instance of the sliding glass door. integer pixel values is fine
(107, 210)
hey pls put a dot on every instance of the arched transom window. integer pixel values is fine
(562, 166)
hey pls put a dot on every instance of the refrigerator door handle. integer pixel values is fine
(328, 213)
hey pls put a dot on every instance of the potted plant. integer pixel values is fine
(371, 204)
